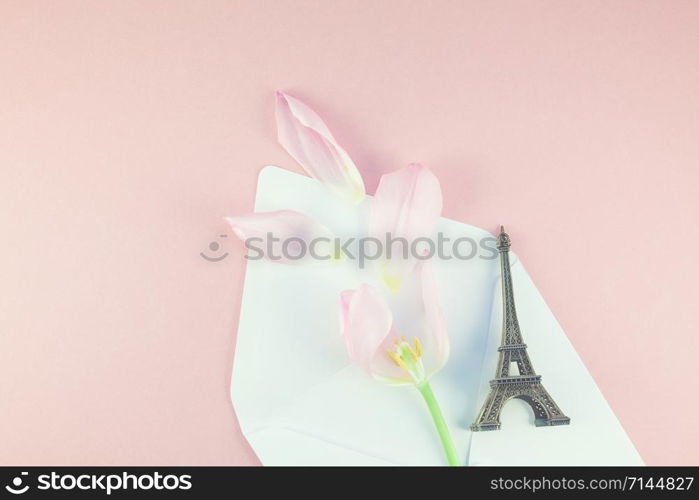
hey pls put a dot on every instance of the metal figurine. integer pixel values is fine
(523, 383)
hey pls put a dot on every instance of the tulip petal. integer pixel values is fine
(366, 321)
(407, 206)
(309, 141)
(284, 236)
(370, 332)
(407, 203)
(416, 314)
(434, 319)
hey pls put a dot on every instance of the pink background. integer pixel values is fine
(128, 129)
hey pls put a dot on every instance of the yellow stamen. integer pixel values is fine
(412, 352)
(397, 360)
(418, 347)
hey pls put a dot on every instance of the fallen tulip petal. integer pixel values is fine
(406, 207)
(309, 141)
(284, 236)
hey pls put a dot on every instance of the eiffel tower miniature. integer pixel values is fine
(524, 384)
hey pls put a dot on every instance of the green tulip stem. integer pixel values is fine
(439, 423)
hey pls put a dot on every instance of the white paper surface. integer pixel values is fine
(299, 401)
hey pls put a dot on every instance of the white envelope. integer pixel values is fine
(300, 402)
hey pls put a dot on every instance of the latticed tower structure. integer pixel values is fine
(515, 376)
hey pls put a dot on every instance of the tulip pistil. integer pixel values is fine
(408, 358)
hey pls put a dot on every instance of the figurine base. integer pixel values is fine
(486, 426)
(539, 422)
(547, 422)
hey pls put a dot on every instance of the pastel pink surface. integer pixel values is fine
(129, 129)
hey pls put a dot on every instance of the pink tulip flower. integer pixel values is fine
(375, 342)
